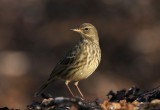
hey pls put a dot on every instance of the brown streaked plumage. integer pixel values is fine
(79, 62)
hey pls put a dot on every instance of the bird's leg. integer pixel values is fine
(67, 82)
(76, 84)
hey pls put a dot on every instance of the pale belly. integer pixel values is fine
(85, 72)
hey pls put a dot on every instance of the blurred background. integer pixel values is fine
(34, 35)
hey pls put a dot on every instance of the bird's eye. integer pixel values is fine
(86, 29)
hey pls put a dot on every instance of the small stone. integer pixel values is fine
(156, 101)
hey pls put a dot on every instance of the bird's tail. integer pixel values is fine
(42, 88)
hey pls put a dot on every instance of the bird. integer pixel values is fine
(79, 62)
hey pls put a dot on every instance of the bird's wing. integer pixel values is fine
(65, 62)
(69, 58)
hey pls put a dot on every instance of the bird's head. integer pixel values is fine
(88, 31)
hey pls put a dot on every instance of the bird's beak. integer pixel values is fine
(76, 30)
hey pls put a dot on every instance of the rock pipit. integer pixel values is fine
(79, 62)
